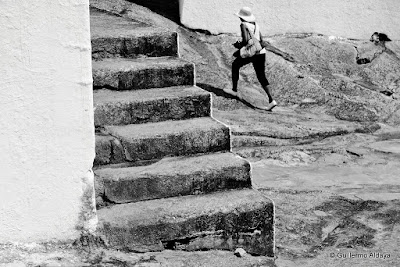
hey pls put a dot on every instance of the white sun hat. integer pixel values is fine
(245, 13)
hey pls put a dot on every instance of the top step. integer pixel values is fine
(115, 36)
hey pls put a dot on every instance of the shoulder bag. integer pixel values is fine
(252, 47)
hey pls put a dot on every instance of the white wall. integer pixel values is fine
(46, 120)
(352, 19)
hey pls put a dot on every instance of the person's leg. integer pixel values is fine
(267, 89)
(236, 65)
(259, 67)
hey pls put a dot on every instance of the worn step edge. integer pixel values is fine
(151, 45)
(171, 177)
(151, 105)
(222, 220)
(167, 138)
(142, 73)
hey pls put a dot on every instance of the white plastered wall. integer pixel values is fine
(344, 18)
(46, 121)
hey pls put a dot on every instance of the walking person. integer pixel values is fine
(249, 29)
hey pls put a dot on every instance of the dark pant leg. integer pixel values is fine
(236, 65)
(259, 66)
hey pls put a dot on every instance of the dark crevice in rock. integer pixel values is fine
(387, 92)
(102, 199)
(359, 60)
(107, 201)
(258, 134)
(105, 86)
(313, 137)
(314, 45)
(124, 52)
(354, 153)
(186, 243)
(124, 149)
(112, 151)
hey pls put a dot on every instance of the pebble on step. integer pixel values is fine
(239, 252)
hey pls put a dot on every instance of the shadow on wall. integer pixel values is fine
(168, 9)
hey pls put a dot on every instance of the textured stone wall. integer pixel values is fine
(352, 19)
(46, 121)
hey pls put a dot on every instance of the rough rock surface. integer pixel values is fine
(324, 73)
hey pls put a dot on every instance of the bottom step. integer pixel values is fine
(224, 220)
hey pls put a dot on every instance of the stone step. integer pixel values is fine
(142, 73)
(171, 177)
(222, 220)
(161, 139)
(151, 105)
(114, 36)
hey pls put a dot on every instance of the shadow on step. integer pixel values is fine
(168, 9)
(219, 92)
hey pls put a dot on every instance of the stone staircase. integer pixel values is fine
(164, 174)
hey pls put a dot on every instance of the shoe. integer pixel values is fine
(271, 105)
(230, 91)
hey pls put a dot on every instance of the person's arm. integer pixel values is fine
(245, 37)
(245, 34)
(275, 50)
(262, 42)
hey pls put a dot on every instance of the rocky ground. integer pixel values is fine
(328, 155)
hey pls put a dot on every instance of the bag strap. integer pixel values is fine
(251, 34)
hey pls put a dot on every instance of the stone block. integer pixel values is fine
(143, 73)
(171, 138)
(223, 220)
(152, 105)
(114, 36)
(174, 176)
